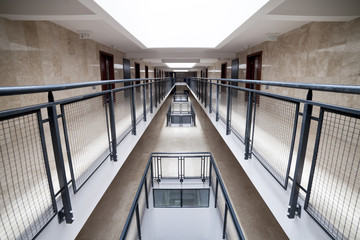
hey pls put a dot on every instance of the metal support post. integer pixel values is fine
(112, 128)
(152, 172)
(151, 97)
(133, 113)
(146, 193)
(294, 208)
(159, 96)
(217, 102)
(202, 90)
(155, 91)
(144, 100)
(138, 221)
(66, 212)
(210, 168)
(225, 220)
(228, 111)
(210, 97)
(198, 86)
(216, 191)
(206, 93)
(248, 123)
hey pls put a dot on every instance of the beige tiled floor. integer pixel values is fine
(108, 218)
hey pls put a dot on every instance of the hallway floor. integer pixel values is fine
(109, 216)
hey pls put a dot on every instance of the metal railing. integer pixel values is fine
(196, 165)
(181, 97)
(180, 113)
(267, 125)
(35, 172)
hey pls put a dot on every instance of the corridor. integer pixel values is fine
(109, 216)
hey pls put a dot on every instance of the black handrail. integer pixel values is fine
(7, 91)
(352, 89)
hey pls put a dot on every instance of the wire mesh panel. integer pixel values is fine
(231, 233)
(238, 113)
(139, 104)
(208, 93)
(274, 132)
(26, 195)
(132, 233)
(213, 96)
(333, 194)
(169, 167)
(192, 167)
(85, 125)
(142, 203)
(222, 103)
(122, 114)
(147, 97)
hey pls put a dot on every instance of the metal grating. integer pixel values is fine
(275, 122)
(139, 104)
(122, 114)
(26, 196)
(85, 124)
(222, 103)
(333, 199)
(147, 97)
(238, 113)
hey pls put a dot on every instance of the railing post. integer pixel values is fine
(210, 168)
(66, 212)
(294, 208)
(144, 100)
(225, 220)
(248, 123)
(217, 101)
(152, 172)
(159, 95)
(146, 193)
(138, 221)
(216, 191)
(210, 97)
(228, 111)
(202, 90)
(133, 113)
(112, 127)
(205, 93)
(199, 89)
(151, 97)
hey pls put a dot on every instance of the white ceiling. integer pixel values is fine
(277, 16)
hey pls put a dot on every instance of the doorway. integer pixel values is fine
(137, 72)
(223, 75)
(253, 70)
(107, 71)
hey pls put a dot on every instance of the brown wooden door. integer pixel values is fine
(137, 72)
(223, 74)
(253, 70)
(107, 70)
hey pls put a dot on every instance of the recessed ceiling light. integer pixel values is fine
(180, 65)
(204, 24)
(180, 70)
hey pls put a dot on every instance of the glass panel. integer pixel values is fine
(167, 198)
(192, 167)
(195, 198)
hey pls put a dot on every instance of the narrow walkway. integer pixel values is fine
(109, 216)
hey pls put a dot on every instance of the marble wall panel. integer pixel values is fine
(41, 52)
(318, 52)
